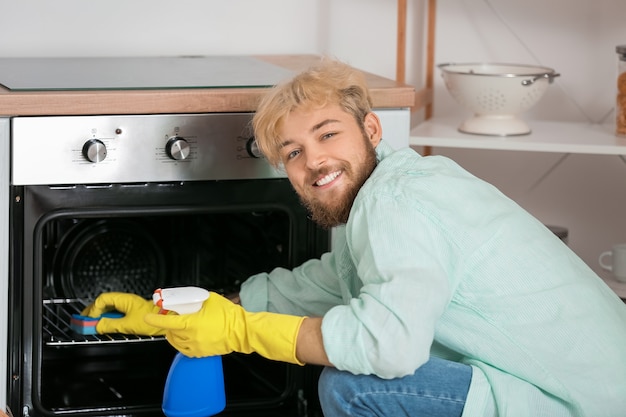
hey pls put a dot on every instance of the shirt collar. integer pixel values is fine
(383, 150)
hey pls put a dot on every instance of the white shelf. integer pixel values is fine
(546, 136)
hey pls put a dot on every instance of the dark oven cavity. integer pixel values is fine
(205, 211)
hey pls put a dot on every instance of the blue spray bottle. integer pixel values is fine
(194, 386)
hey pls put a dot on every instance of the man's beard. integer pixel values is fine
(335, 213)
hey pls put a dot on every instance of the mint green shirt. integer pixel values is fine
(434, 261)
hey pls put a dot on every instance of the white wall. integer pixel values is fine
(587, 194)
(361, 32)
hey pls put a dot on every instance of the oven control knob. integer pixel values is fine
(253, 148)
(94, 150)
(177, 148)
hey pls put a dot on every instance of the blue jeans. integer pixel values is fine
(438, 388)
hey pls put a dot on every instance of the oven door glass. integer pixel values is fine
(135, 238)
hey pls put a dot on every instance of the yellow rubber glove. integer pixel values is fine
(134, 308)
(222, 327)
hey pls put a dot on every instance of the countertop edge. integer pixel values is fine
(385, 93)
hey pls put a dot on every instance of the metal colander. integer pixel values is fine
(108, 255)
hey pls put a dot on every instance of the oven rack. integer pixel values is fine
(56, 330)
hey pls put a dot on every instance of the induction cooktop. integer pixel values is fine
(132, 73)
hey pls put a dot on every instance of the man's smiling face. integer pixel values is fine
(328, 156)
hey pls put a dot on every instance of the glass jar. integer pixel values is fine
(620, 105)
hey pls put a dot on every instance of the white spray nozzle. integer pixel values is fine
(183, 300)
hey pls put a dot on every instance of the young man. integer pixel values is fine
(440, 296)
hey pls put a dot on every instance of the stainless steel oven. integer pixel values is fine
(132, 203)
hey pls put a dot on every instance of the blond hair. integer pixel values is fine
(326, 83)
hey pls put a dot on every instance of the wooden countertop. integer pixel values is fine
(385, 93)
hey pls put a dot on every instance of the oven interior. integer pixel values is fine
(79, 253)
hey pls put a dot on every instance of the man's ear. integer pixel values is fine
(373, 128)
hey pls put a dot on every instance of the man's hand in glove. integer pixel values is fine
(222, 327)
(134, 308)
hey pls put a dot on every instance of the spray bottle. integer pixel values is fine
(194, 386)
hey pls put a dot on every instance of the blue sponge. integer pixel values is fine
(87, 325)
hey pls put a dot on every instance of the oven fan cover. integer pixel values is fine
(108, 256)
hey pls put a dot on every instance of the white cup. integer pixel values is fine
(617, 263)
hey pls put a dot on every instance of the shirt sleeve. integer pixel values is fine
(402, 257)
(310, 289)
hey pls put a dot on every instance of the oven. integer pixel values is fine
(132, 203)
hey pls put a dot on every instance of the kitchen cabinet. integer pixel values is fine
(4, 255)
